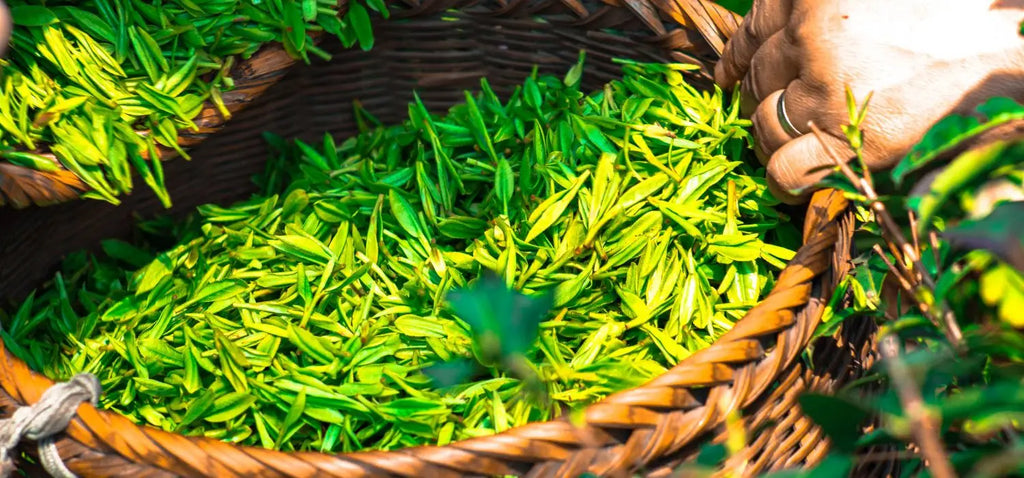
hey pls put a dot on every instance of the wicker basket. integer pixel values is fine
(439, 48)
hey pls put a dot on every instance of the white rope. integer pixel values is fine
(46, 418)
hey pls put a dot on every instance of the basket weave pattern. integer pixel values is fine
(754, 369)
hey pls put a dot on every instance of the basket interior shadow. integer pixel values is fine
(439, 52)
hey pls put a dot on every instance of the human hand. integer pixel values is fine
(6, 26)
(920, 59)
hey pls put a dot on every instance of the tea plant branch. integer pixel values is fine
(887, 456)
(924, 426)
(914, 278)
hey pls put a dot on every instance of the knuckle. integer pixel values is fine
(753, 27)
(750, 96)
(794, 34)
(732, 64)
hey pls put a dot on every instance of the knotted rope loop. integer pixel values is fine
(46, 418)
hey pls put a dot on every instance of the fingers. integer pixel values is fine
(796, 160)
(798, 165)
(768, 130)
(803, 103)
(765, 18)
(772, 68)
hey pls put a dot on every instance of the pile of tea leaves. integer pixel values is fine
(317, 315)
(101, 83)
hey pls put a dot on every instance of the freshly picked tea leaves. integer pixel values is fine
(449, 277)
(100, 83)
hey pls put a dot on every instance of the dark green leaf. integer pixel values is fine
(1000, 232)
(32, 15)
(839, 418)
(740, 7)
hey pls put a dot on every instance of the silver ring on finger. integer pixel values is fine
(787, 125)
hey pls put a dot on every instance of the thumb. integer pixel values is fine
(796, 167)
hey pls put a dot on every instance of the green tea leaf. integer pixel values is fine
(554, 212)
(954, 130)
(961, 172)
(32, 15)
(229, 406)
(360, 20)
(839, 418)
(504, 184)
